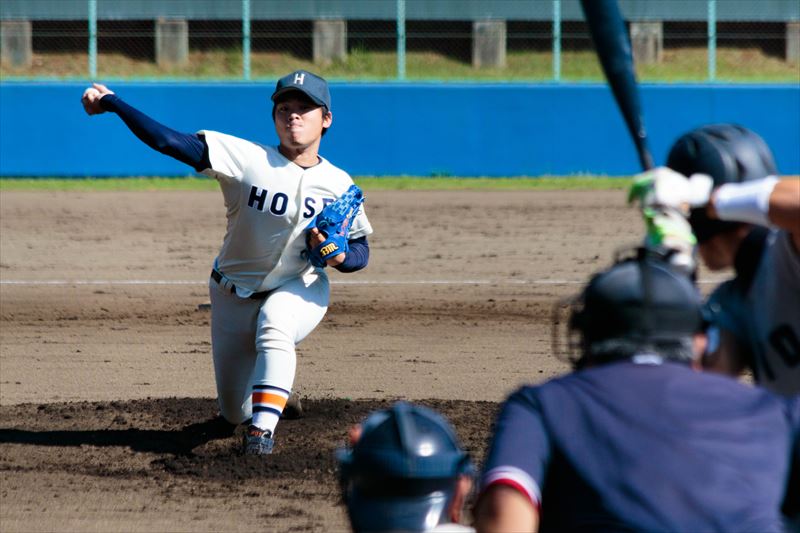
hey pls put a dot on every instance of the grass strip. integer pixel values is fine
(394, 183)
(487, 183)
(108, 184)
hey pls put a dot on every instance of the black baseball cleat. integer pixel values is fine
(258, 441)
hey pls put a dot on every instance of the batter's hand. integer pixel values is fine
(668, 230)
(662, 187)
(315, 238)
(91, 98)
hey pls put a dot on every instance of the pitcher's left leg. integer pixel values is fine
(287, 316)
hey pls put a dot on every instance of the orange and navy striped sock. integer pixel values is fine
(268, 404)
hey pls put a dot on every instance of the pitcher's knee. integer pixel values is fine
(273, 341)
(234, 410)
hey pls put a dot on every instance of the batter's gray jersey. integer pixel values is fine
(765, 315)
(270, 202)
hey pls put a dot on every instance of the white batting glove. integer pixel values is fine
(668, 230)
(663, 187)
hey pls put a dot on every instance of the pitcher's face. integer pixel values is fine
(299, 121)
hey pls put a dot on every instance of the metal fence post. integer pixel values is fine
(92, 39)
(401, 39)
(712, 40)
(246, 39)
(556, 40)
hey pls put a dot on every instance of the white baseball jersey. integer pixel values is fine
(270, 202)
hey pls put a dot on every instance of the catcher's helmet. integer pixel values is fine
(639, 305)
(726, 152)
(401, 475)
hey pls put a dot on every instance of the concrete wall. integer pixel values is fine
(393, 129)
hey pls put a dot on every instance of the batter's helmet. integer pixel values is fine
(402, 473)
(640, 305)
(726, 152)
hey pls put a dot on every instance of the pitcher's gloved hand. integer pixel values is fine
(327, 233)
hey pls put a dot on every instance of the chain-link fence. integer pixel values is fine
(519, 40)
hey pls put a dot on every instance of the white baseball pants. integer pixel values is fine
(253, 344)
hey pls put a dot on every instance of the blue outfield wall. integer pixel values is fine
(393, 129)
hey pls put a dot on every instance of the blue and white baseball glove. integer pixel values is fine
(334, 223)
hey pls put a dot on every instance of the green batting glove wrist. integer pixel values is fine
(642, 186)
(668, 228)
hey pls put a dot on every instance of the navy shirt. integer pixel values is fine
(656, 447)
(761, 307)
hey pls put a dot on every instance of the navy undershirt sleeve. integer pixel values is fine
(187, 148)
(357, 257)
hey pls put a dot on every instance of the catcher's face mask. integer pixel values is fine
(639, 303)
(566, 339)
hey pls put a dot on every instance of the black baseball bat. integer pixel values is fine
(614, 50)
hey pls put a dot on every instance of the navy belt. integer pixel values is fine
(217, 276)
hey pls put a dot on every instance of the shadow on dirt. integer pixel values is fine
(177, 442)
(163, 442)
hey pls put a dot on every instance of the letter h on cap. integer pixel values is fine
(299, 77)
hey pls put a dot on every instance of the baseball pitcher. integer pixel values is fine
(268, 284)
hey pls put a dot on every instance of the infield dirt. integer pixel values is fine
(106, 382)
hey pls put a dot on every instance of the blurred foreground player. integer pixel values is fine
(405, 471)
(637, 438)
(746, 218)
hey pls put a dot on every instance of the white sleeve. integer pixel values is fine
(361, 226)
(229, 156)
(747, 201)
